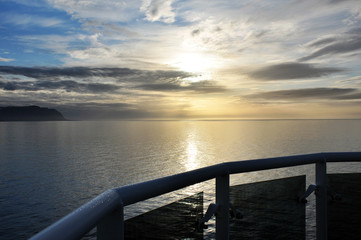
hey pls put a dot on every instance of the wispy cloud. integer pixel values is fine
(199, 87)
(109, 11)
(293, 70)
(119, 74)
(323, 41)
(349, 43)
(161, 81)
(115, 30)
(55, 79)
(27, 20)
(6, 59)
(340, 1)
(69, 86)
(354, 81)
(79, 72)
(309, 94)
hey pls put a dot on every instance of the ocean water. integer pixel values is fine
(48, 169)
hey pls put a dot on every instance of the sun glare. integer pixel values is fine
(191, 153)
(193, 62)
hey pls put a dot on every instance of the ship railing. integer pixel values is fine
(106, 211)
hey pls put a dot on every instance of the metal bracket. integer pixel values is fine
(212, 210)
(312, 188)
(334, 195)
(234, 212)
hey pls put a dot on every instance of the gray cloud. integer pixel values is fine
(195, 32)
(69, 86)
(207, 87)
(155, 76)
(58, 78)
(200, 87)
(78, 72)
(160, 87)
(349, 43)
(309, 93)
(340, 1)
(158, 10)
(356, 31)
(97, 26)
(121, 74)
(323, 41)
(335, 48)
(291, 70)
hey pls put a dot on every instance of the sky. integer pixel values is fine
(173, 59)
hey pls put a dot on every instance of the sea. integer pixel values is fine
(48, 169)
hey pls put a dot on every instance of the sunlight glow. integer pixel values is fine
(191, 161)
(193, 62)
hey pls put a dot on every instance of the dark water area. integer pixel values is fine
(48, 169)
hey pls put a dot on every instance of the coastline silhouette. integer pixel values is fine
(30, 113)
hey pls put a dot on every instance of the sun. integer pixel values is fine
(193, 62)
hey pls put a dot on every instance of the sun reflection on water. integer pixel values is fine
(192, 153)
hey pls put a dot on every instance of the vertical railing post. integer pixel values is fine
(112, 225)
(222, 200)
(321, 200)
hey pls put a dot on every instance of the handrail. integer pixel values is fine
(82, 220)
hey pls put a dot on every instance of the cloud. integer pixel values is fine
(340, 1)
(205, 86)
(6, 59)
(86, 80)
(345, 46)
(340, 45)
(34, 3)
(69, 86)
(323, 41)
(120, 74)
(309, 94)
(354, 81)
(27, 20)
(115, 30)
(292, 70)
(110, 10)
(356, 31)
(158, 10)
(78, 72)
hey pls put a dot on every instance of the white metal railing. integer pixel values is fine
(106, 210)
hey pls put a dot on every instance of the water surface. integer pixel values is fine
(48, 169)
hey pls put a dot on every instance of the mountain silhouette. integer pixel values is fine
(30, 113)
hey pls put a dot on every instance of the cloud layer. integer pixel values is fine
(350, 42)
(285, 71)
(181, 58)
(84, 80)
(120, 74)
(309, 94)
(69, 86)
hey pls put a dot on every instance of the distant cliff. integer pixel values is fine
(30, 113)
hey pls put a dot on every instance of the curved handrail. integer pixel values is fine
(82, 220)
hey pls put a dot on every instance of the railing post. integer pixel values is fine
(222, 200)
(321, 200)
(112, 225)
